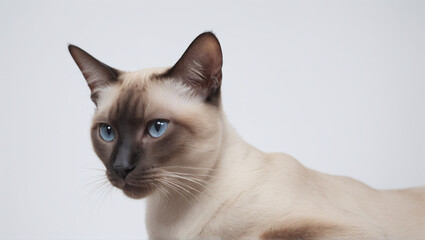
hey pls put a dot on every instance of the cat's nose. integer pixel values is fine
(124, 161)
(123, 169)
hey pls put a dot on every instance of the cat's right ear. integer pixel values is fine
(200, 67)
(97, 74)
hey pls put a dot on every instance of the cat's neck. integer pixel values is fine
(235, 157)
(225, 183)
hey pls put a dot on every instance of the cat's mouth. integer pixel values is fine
(134, 185)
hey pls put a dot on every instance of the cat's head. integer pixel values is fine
(154, 129)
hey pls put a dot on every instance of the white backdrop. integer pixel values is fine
(340, 85)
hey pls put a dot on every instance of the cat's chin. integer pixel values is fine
(136, 192)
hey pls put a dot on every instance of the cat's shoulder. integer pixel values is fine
(281, 158)
(283, 161)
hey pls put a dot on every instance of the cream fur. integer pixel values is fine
(202, 181)
(246, 193)
(253, 192)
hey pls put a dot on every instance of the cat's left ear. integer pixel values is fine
(97, 74)
(200, 67)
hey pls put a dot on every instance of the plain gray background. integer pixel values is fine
(337, 84)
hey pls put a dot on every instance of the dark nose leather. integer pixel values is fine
(124, 161)
(123, 170)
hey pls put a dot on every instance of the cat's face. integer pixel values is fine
(156, 129)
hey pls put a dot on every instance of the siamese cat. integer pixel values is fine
(162, 135)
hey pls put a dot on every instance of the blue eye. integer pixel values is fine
(157, 127)
(106, 132)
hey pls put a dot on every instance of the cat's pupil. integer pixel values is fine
(158, 126)
(109, 130)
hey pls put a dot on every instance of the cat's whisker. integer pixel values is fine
(195, 180)
(167, 193)
(176, 183)
(195, 191)
(98, 179)
(199, 182)
(102, 188)
(96, 186)
(191, 168)
(178, 186)
(177, 178)
(149, 186)
(193, 174)
(188, 191)
(98, 195)
(195, 177)
(162, 190)
(105, 193)
(90, 195)
(166, 183)
(96, 169)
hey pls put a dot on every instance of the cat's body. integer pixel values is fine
(202, 181)
(272, 196)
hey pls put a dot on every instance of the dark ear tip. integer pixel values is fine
(72, 48)
(210, 39)
(208, 34)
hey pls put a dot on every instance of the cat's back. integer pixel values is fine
(322, 203)
(294, 202)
